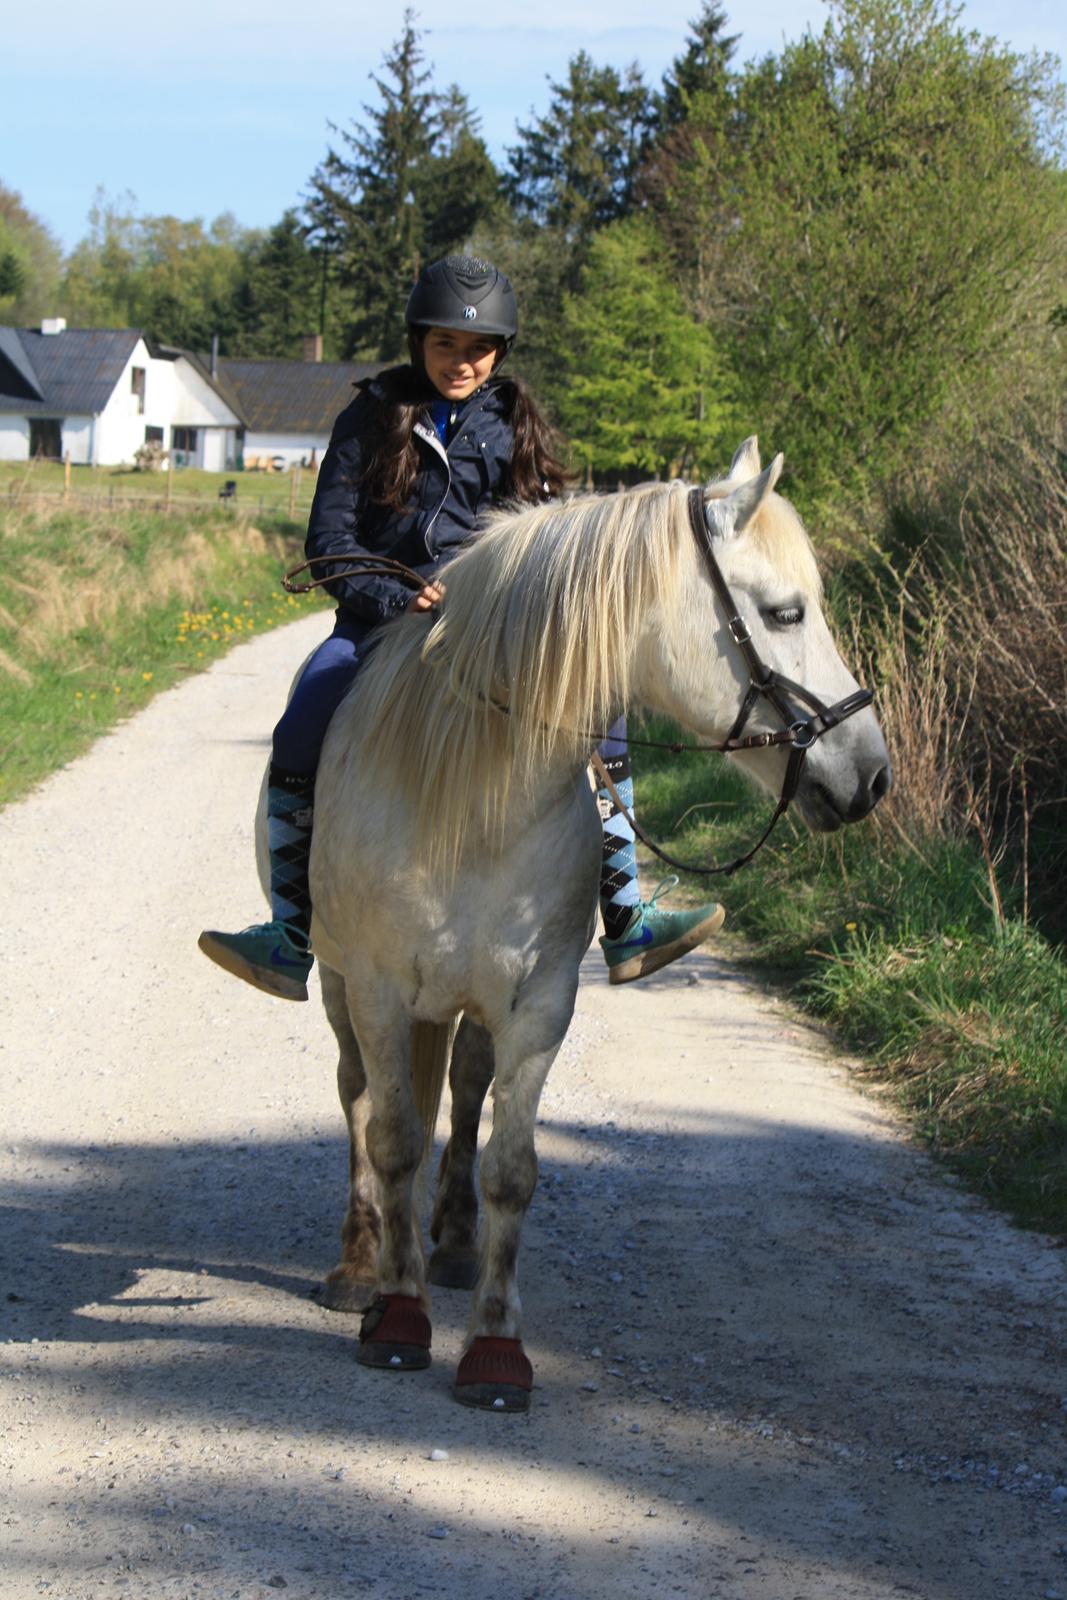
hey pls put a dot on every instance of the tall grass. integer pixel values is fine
(100, 611)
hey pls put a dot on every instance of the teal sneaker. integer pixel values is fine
(653, 937)
(274, 956)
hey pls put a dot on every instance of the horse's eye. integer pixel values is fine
(787, 616)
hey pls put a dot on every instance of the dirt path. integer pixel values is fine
(779, 1356)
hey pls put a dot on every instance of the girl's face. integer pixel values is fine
(457, 363)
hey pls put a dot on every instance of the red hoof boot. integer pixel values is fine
(495, 1375)
(394, 1333)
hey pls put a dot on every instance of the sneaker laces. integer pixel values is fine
(664, 887)
(297, 940)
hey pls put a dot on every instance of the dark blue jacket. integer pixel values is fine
(453, 488)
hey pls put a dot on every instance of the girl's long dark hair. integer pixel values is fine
(392, 462)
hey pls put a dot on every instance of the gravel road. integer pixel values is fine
(779, 1355)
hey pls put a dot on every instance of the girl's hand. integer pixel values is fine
(432, 595)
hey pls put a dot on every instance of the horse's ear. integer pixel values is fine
(745, 464)
(729, 517)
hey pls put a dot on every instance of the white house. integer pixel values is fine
(99, 394)
(287, 408)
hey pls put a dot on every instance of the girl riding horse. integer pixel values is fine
(416, 460)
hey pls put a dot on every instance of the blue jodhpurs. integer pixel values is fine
(323, 684)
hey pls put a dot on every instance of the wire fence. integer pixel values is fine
(120, 498)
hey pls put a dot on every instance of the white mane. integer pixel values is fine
(533, 648)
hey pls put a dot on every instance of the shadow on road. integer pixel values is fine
(732, 1318)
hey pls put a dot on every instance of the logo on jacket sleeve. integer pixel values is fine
(470, 312)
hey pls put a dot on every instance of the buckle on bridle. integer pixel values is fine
(804, 735)
(739, 630)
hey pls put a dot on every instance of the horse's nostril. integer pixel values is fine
(881, 783)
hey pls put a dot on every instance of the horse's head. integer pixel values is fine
(767, 561)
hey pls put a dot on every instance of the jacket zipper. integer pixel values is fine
(428, 435)
(434, 442)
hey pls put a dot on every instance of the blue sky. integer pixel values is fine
(222, 105)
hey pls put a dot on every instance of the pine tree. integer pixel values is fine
(703, 69)
(647, 392)
(574, 168)
(281, 294)
(406, 185)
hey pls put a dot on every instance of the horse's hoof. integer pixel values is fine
(494, 1375)
(450, 1270)
(492, 1396)
(395, 1333)
(345, 1290)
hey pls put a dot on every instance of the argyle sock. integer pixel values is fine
(290, 810)
(619, 893)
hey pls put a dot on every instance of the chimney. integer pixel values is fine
(312, 347)
(54, 325)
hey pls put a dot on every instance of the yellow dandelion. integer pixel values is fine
(850, 927)
(77, 694)
(148, 676)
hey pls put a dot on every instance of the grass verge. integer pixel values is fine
(257, 493)
(957, 1006)
(100, 613)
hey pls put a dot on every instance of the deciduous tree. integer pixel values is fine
(878, 225)
(30, 261)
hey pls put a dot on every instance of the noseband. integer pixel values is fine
(800, 733)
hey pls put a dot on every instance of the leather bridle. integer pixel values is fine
(800, 733)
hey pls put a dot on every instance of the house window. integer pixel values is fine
(183, 446)
(137, 387)
(46, 438)
(153, 435)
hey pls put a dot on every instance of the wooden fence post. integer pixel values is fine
(170, 482)
(294, 478)
(66, 479)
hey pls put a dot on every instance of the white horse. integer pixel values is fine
(457, 844)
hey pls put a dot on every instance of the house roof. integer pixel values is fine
(72, 373)
(289, 396)
(16, 374)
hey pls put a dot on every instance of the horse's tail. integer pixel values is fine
(431, 1050)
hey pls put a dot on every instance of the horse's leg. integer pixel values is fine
(454, 1229)
(395, 1331)
(494, 1371)
(346, 1288)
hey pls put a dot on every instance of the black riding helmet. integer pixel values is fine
(463, 292)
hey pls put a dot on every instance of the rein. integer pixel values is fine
(360, 567)
(800, 733)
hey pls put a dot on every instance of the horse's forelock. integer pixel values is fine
(777, 532)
